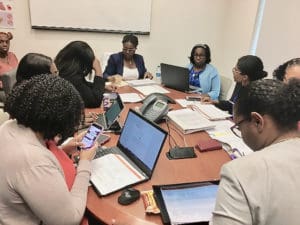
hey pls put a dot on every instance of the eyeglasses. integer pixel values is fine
(236, 128)
(236, 70)
(232, 152)
(199, 55)
(130, 50)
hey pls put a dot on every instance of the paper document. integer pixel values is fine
(141, 82)
(131, 97)
(120, 83)
(189, 121)
(147, 90)
(223, 133)
(112, 172)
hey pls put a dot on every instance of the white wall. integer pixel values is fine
(225, 25)
(280, 34)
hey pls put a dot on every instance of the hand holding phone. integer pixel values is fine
(91, 135)
(89, 154)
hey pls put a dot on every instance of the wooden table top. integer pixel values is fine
(206, 166)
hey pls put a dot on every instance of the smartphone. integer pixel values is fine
(193, 98)
(103, 138)
(91, 135)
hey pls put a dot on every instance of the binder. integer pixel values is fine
(189, 121)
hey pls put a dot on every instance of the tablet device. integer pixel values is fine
(186, 203)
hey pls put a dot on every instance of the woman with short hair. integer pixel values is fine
(126, 65)
(32, 181)
(203, 75)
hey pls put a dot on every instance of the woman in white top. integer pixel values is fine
(126, 65)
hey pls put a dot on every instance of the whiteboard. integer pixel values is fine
(117, 16)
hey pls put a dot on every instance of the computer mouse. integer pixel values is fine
(128, 196)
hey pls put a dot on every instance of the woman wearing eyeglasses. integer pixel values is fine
(248, 68)
(203, 75)
(263, 188)
(126, 65)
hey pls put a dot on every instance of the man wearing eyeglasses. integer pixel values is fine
(263, 188)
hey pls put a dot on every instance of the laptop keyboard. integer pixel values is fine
(104, 151)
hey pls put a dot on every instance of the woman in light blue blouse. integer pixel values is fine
(202, 74)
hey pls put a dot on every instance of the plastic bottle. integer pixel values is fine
(158, 74)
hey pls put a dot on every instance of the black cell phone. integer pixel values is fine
(181, 153)
(193, 98)
(91, 135)
(103, 138)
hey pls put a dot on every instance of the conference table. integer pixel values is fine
(205, 167)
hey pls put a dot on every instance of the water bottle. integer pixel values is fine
(158, 75)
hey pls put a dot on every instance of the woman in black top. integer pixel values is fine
(74, 62)
(248, 68)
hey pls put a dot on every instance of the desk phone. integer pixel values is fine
(154, 109)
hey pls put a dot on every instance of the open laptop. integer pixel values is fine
(107, 119)
(175, 77)
(134, 158)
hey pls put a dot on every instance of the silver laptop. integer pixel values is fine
(137, 150)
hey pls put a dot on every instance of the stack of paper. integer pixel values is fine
(149, 89)
(189, 121)
(131, 97)
(141, 82)
(211, 112)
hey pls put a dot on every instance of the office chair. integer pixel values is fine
(226, 84)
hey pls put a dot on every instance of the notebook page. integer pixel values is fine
(147, 90)
(112, 172)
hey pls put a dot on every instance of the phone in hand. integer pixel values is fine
(91, 135)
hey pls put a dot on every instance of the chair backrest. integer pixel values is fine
(104, 59)
(226, 84)
(8, 80)
(3, 116)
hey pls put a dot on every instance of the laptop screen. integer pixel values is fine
(175, 77)
(114, 111)
(142, 139)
